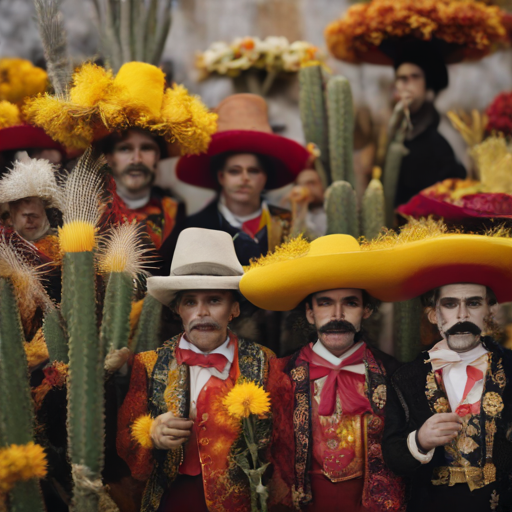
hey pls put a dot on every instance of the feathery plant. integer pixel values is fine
(133, 30)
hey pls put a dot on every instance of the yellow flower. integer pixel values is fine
(141, 431)
(9, 114)
(77, 236)
(21, 462)
(19, 79)
(247, 398)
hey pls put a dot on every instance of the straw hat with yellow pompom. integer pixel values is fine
(99, 103)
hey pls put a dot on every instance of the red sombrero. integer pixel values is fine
(26, 136)
(243, 127)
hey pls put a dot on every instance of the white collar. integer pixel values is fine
(236, 220)
(324, 353)
(227, 350)
(133, 204)
(442, 351)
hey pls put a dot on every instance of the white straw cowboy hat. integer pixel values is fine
(204, 259)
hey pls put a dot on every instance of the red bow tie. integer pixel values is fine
(185, 356)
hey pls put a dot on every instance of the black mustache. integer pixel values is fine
(463, 327)
(138, 167)
(338, 326)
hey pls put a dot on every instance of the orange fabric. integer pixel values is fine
(139, 459)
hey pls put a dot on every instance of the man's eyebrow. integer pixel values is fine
(352, 297)
(476, 297)
(323, 297)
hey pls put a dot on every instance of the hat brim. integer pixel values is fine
(164, 289)
(26, 136)
(290, 156)
(394, 274)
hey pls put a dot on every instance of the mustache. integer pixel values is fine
(464, 327)
(338, 326)
(138, 167)
(210, 323)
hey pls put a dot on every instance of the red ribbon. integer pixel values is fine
(191, 358)
(474, 375)
(339, 381)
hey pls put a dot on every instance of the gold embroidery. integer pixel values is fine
(492, 404)
(499, 378)
(447, 475)
(379, 396)
(441, 405)
(298, 374)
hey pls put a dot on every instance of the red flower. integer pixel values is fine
(499, 113)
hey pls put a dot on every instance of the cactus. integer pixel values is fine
(373, 207)
(340, 113)
(396, 151)
(147, 333)
(55, 336)
(313, 112)
(85, 392)
(16, 409)
(407, 320)
(115, 326)
(341, 208)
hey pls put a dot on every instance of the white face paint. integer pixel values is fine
(460, 313)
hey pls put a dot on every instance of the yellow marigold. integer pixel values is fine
(141, 431)
(21, 463)
(19, 79)
(247, 398)
(9, 114)
(36, 350)
(77, 236)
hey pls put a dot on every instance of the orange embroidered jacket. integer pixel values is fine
(158, 384)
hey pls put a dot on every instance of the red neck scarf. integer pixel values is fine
(191, 358)
(339, 381)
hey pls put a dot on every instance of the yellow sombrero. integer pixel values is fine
(98, 104)
(390, 269)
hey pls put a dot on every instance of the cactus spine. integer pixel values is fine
(341, 209)
(148, 329)
(313, 111)
(373, 207)
(115, 326)
(340, 113)
(16, 409)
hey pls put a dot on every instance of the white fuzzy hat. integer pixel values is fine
(30, 177)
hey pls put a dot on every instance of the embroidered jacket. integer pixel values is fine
(292, 439)
(158, 385)
(482, 453)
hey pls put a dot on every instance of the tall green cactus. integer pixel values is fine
(148, 330)
(55, 335)
(16, 408)
(340, 113)
(407, 328)
(85, 392)
(341, 208)
(373, 207)
(396, 151)
(313, 112)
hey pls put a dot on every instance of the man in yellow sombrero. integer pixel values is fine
(244, 158)
(449, 414)
(328, 398)
(175, 430)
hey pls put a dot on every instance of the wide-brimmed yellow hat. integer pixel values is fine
(137, 97)
(391, 269)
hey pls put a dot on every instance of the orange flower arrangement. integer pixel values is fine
(471, 25)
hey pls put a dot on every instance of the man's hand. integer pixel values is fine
(439, 430)
(169, 432)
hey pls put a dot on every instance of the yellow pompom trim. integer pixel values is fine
(20, 79)
(77, 236)
(21, 463)
(9, 114)
(141, 431)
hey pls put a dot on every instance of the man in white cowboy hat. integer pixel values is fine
(329, 396)
(449, 415)
(173, 427)
(244, 158)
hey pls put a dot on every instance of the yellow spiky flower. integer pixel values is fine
(19, 79)
(82, 205)
(9, 114)
(247, 398)
(36, 350)
(123, 250)
(21, 463)
(141, 429)
(99, 103)
(289, 250)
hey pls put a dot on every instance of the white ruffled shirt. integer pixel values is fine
(199, 376)
(236, 220)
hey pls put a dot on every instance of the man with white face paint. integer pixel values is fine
(448, 422)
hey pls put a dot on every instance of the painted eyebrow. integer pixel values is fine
(476, 297)
(351, 297)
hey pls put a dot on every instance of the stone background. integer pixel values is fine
(197, 23)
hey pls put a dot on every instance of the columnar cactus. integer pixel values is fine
(407, 322)
(396, 151)
(16, 409)
(148, 329)
(373, 207)
(341, 209)
(340, 113)
(55, 335)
